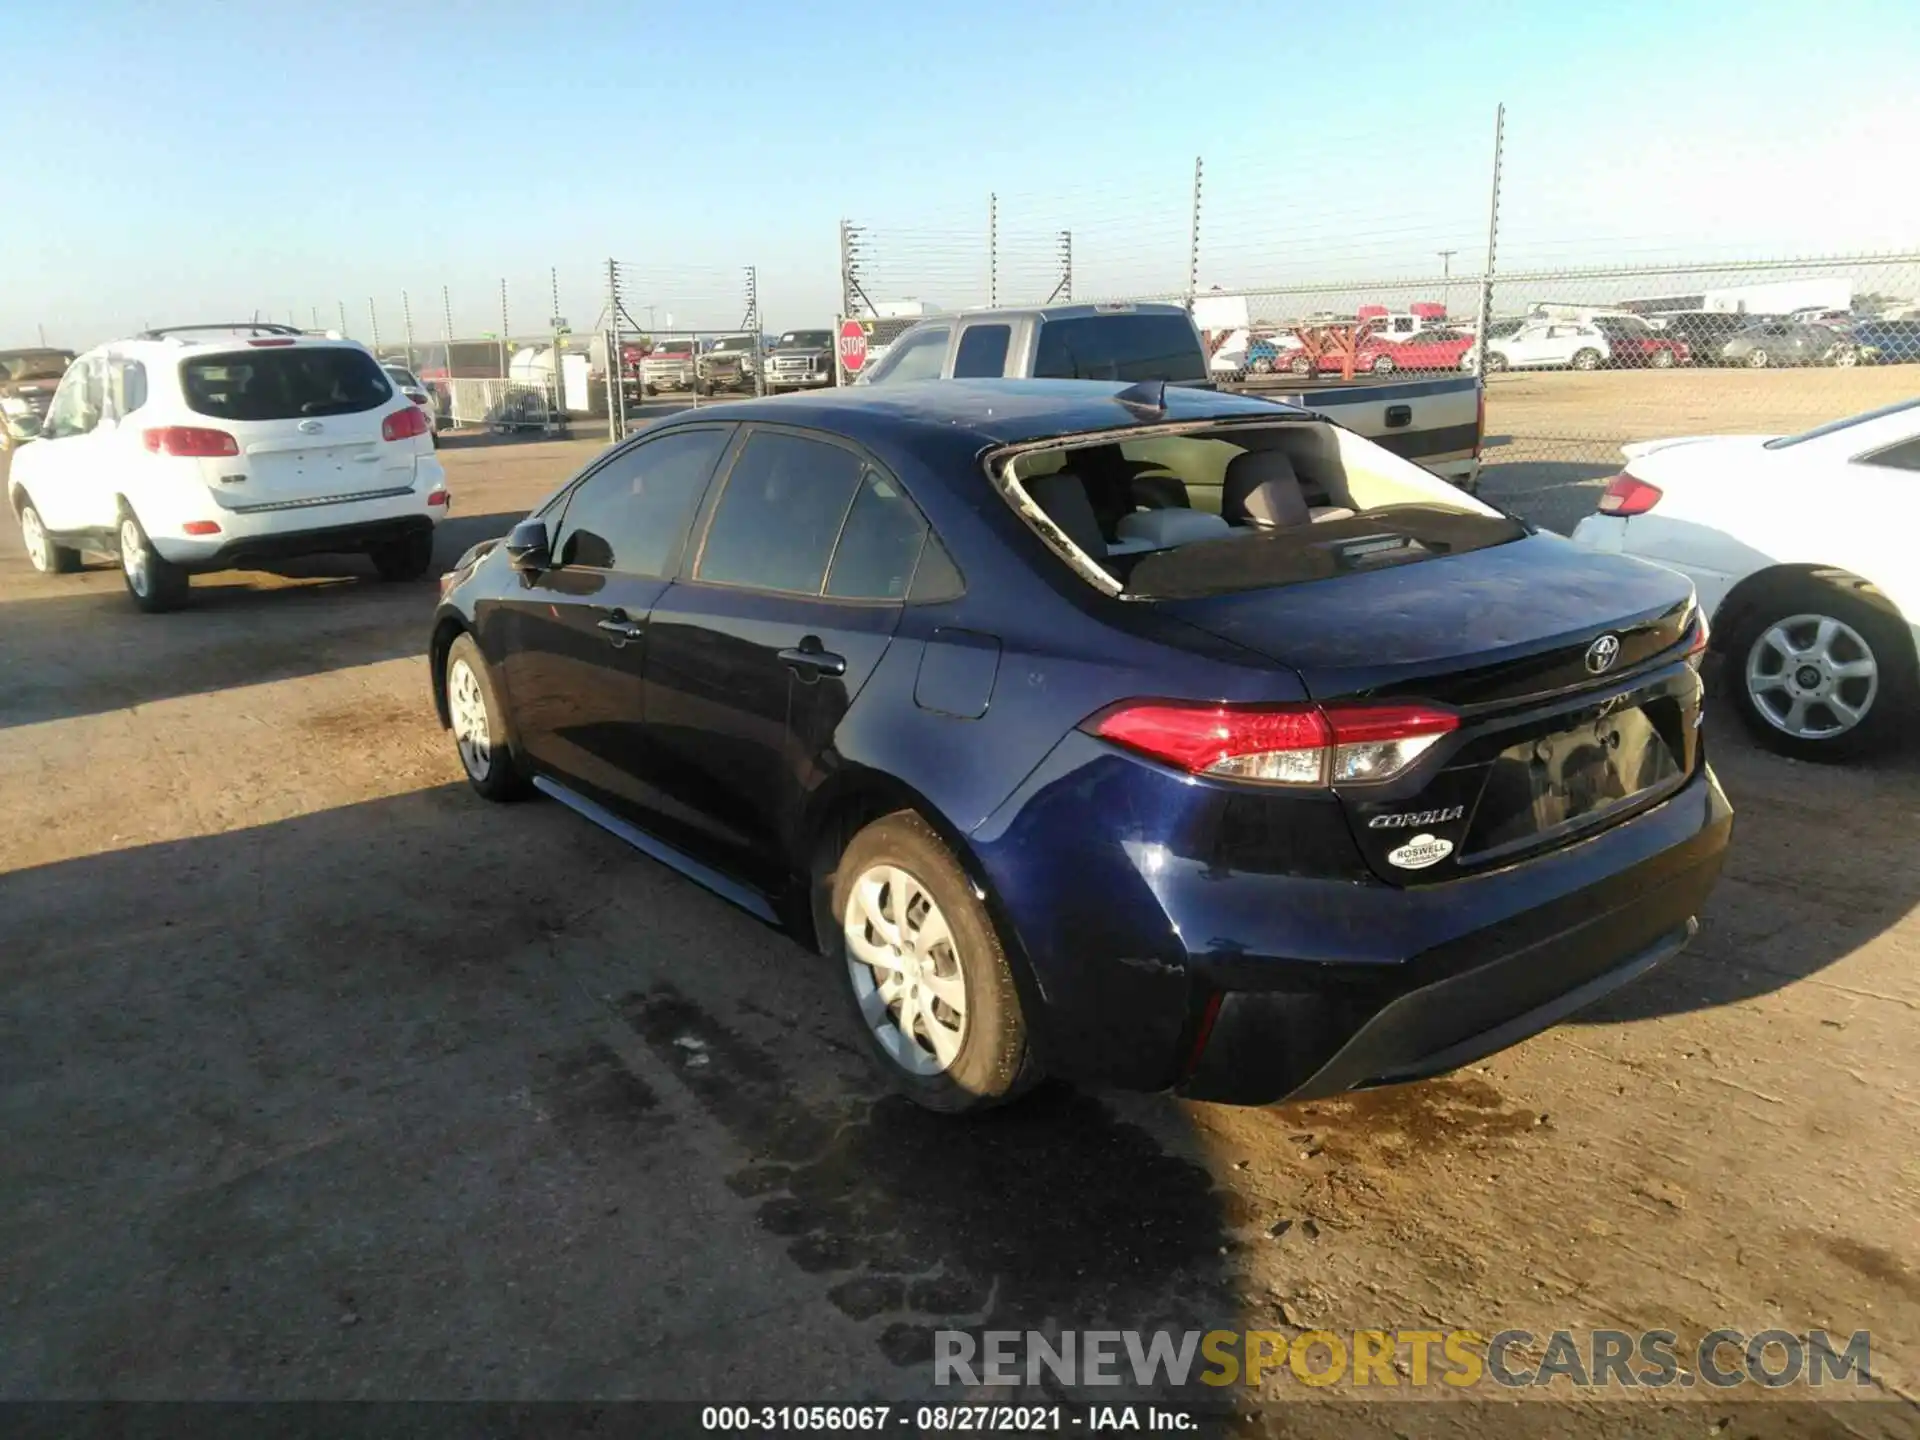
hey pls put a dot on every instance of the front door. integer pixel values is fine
(575, 636)
(54, 469)
(757, 655)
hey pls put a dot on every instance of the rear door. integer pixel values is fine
(575, 636)
(307, 420)
(756, 654)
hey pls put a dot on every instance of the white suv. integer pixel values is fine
(1547, 343)
(211, 447)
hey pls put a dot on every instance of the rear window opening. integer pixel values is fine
(1181, 512)
(291, 384)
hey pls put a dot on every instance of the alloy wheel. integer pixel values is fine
(467, 708)
(1812, 677)
(905, 969)
(133, 558)
(1757, 359)
(34, 533)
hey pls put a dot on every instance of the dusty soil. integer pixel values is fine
(321, 1077)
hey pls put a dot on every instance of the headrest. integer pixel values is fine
(1161, 529)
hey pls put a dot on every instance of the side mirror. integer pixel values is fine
(527, 547)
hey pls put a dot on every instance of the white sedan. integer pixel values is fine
(1802, 548)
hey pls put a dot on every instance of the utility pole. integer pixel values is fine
(341, 306)
(446, 320)
(503, 327)
(559, 357)
(1193, 257)
(1446, 278)
(993, 249)
(406, 314)
(373, 324)
(616, 377)
(43, 335)
(751, 324)
(1493, 244)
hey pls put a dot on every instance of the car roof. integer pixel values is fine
(992, 412)
(225, 340)
(1077, 311)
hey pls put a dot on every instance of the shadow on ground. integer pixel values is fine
(86, 649)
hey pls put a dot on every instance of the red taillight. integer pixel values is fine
(1697, 645)
(1277, 744)
(266, 344)
(190, 440)
(200, 527)
(1628, 496)
(437, 497)
(404, 424)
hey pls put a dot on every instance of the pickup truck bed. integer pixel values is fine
(1432, 420)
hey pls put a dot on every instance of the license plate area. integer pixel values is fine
(1568, 779)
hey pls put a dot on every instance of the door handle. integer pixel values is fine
(620, 628)
(811, 658)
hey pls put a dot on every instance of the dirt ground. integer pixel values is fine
(321, 1077)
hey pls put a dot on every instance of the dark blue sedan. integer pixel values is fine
(1145, 736)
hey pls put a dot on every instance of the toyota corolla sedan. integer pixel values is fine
(1144, 736)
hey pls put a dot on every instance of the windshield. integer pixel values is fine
(1215, 510)
(403, 378)
(284, 384)
(34, 364)
(1123, 347)
(733, 343)
(807, 337)
(1833, 427)
(673, 347)
(1615, 325)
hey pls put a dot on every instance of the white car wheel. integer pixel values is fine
(467, 709)
(905, 970)
(39, 546)
(1813, 677)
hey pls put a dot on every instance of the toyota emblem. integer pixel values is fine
(1602, 653)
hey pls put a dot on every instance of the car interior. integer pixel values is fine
(1119, 503)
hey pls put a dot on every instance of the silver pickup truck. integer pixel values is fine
(1436, 422)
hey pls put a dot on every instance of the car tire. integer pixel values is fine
(1586, 359)
(1663, 360)
(1300, 365)
(1785, 649)
(1495, 361)
(1758, 359)
(155, 583)
(478, 723)
(1262, 366)
(894, 870)
(43, 552)
(409, 558)
(1382, 365)
(1844, 356)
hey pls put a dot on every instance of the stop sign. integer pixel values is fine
(853, 345)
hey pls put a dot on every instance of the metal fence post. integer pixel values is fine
(1493, 238)
(616, 380)
(1193, 256)
(341, 306)
(406, 314)
(846, 268)
(753, 327)
(373, 324)
(559, 359)
(503, 327)
(993, 248)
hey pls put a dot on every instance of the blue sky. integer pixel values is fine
(209, 159)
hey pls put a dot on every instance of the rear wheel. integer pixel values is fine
(1844, 355)
(1300, 365)
(155, 583)
(1663, 359)
(1586, 360)
(1496, 361)
(931, 988)
(1262, 366)
(1382, 365)
(1823, 669)
(47, 556)
(405, 559)
(479, 725)
(1758, 359)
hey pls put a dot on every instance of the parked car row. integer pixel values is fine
(28, 379)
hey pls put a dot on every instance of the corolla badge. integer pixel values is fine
(310, 427)
(1420, 852)
(1602, 653)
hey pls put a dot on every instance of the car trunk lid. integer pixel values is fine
(1566, 669)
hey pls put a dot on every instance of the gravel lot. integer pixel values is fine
(321, 1077)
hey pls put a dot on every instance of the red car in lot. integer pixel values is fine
(1433, 349)
(1636, 345)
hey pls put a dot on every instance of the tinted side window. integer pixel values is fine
(918, 356)
(1120, 347)
(777, 520)
(129, 386)
(1904, 456)
(879, 545)
(631, 514)
(983, 352)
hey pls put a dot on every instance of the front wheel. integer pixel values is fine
(1586, 360)
(932, 992)
(155, 583)
(1300, 365)
(1758, 359)
(46, 555)
(1824, 669)
(1663, 359)
(479, 725)
(1845, 356)
(406, 559)
(1382, 365)
(1262, 366)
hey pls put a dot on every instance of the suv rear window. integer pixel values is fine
(284, 384)
(1120, 347)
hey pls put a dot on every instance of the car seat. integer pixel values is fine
(1262, 491)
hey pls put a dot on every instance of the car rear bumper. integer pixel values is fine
(1159, 959)
(318, 529)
